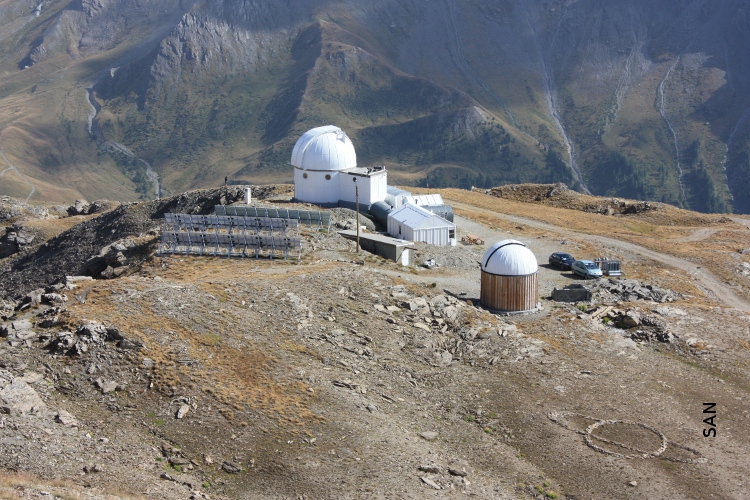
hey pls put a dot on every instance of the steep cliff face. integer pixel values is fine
(636, 98)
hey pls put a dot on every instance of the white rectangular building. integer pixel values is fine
(414, 223)
(372, 184)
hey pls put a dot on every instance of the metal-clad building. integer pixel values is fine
(509, 278)
(397, 198)
(414, 223)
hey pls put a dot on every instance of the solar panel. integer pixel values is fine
(306, 217)
(230, 235)
(325, 220)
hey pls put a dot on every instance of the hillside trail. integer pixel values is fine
(698, 235)
(741, 220)
(712, 284)
(23, 177)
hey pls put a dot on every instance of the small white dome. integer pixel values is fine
(324, 148)
(509, 258)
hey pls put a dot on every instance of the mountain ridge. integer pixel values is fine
(639, 99)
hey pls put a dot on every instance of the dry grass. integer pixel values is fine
(15, 485)
(237, 372)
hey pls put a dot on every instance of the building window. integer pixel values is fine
(328, 177)
(304, 176)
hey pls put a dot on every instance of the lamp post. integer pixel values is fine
(356, 202)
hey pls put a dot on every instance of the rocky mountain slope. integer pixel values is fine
(124, 99)
(343, 375)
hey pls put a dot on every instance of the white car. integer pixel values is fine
(586, 269)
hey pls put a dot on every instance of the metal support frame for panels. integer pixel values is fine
(254, 243)
(224, 242)
(239, 244)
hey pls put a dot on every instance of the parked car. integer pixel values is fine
(586, 269)
(561, 260)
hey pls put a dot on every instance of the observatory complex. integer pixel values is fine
(326, 174)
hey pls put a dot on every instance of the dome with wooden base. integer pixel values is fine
(509, 278)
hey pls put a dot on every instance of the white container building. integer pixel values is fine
(414, 223)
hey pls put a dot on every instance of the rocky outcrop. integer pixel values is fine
(82, 207)
(17, 238)
(631, 290)
(116, 239)
(112, 260)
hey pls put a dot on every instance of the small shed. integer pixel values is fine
(509, 278)
(414, 223)
(399, 251)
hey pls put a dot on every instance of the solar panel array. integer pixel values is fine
(305, 217)
(230, 236)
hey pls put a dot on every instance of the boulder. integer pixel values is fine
(429, 435)
(34, 297)
(65, 418)
(7, 309)
(18, 397)
(631, 319)
(80, 207)
(130, 345)
(450, 313)
(184, 409)
(443, 358)
(114, 255)
(53, 298)
(230, 468)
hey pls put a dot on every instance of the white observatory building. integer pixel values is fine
(326, 172)
(509, 278)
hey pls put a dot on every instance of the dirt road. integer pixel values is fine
(23, 177)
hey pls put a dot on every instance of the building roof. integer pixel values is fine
(414, 217)
(509, 258)
(380, 238)
(428, 200)
(324, 148)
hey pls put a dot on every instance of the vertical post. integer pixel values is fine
(356, 202)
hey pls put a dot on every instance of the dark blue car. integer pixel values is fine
(561, 260)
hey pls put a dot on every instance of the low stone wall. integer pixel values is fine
(572, 293)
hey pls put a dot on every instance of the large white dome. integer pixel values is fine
(509, 258)
(324, 148)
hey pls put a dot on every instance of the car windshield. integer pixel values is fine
(591, 265)
(565, 256)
